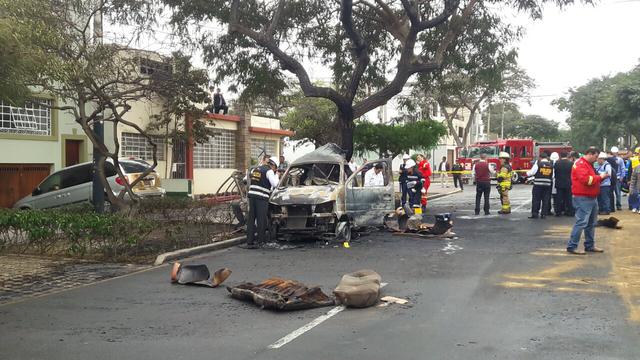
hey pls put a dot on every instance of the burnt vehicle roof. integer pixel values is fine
(326, 153)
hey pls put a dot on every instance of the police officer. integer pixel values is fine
(504, 182)
(542, 172)
(402, 179)
(413, 181)
(261, 180)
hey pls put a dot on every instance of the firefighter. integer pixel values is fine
(504, 182)
(414, 182)
(261, 180)
(542, 172)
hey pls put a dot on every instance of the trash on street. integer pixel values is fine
(358, 289)
(198, 275)
(280, 294)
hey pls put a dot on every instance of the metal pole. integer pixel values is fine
(489, 122)
(98, 128)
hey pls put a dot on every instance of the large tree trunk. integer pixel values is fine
(346, 128)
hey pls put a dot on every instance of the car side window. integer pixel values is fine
(76, 176)
(359, 180)
(52, 183)
(110, 169)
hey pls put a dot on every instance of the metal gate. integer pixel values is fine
(179, 159)
(19, 180)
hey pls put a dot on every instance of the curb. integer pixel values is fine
(437, 196)
(183, 253)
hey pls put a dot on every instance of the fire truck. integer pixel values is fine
(524, 153)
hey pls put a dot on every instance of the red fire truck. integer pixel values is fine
(524, 153)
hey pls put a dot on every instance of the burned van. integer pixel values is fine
(318, 195)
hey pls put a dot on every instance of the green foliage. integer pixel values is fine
(518, 125)
(391, 140)
(607, 107)
(313, 120)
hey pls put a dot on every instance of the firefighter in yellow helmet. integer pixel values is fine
(504, 182)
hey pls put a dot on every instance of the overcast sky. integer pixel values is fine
(568, 47)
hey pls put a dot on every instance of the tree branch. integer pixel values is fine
(276, 18)
(359, 47)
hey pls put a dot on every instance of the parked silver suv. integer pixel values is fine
(73, 185)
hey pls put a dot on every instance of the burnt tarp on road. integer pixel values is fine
(282, 295)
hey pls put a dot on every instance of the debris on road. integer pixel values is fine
(408, 223)
(610, 222)
(358, 289)
(394, 300)
(280, 294)
(198, 275)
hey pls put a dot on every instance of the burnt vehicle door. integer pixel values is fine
(367, 205)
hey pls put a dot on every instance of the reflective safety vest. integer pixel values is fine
(504, 177)
(259, 187)
(544, 176)
(635, 161)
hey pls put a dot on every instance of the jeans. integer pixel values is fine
(541, 199)
(483, 188)
(586, 215)
(603, 199)
(403, 190)
(634, 201)
(618, 192)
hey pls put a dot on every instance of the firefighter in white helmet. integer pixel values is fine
(504, 182)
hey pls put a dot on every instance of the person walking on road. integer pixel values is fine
(618, 179)
(482, 174)
(634, 186)
(261, 180)
(585, 187)
(605, 185)
(457, 175)
(425, 169)
(504, 183)
(562, 174)
(542, 172)
(402, 179)
(443, 168)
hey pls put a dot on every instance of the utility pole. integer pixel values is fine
(489, 122)
(98, 126)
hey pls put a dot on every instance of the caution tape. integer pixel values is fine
(469, 171)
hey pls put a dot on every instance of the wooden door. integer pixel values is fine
(19, 180)
(72, 152)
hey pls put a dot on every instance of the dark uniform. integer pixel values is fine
(562, 171)
(414, 186)
(402, 179)
(258, 196)
(541, 192)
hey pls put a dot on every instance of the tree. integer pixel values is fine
(313, 120)
(360, 42)
(519, 125)
(390, 140)
(96, 82)
(606, 107)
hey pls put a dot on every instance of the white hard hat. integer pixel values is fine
(554, 156)
(603, 155)
(406, 157)
(504, 155)
(410, 163)
(614, 149)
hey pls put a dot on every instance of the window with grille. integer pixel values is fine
(34, 118)
(218, 153)
(137, 145)
(269, 146)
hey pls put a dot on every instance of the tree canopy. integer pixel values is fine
(370, 47)
(519, 125)
(607, 107)
(390, 140)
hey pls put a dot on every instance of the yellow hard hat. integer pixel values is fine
(638, 150)
(504, 155)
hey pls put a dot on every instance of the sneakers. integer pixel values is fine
(634, 210)
(576, 252)
(594, 250)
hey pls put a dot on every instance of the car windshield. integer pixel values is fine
(475, 151)
(133, 167)
(312, 174)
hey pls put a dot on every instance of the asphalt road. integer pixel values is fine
(504, 290)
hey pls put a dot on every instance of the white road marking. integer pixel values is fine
(449, 249)
(521, 206)
(315, 322)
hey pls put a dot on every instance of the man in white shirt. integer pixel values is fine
(353, 166)
(443, 168)
(374, 176)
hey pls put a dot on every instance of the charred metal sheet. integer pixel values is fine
(308, 195)
(198, 275)
(402, 223)
(280, 294)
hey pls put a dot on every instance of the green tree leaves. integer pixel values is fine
(391, 140)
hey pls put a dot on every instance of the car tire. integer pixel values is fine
(515, 178)
(343, 231)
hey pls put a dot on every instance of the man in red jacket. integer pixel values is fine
(585, 187)
(425, 169)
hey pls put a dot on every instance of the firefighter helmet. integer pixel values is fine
(504, 155)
